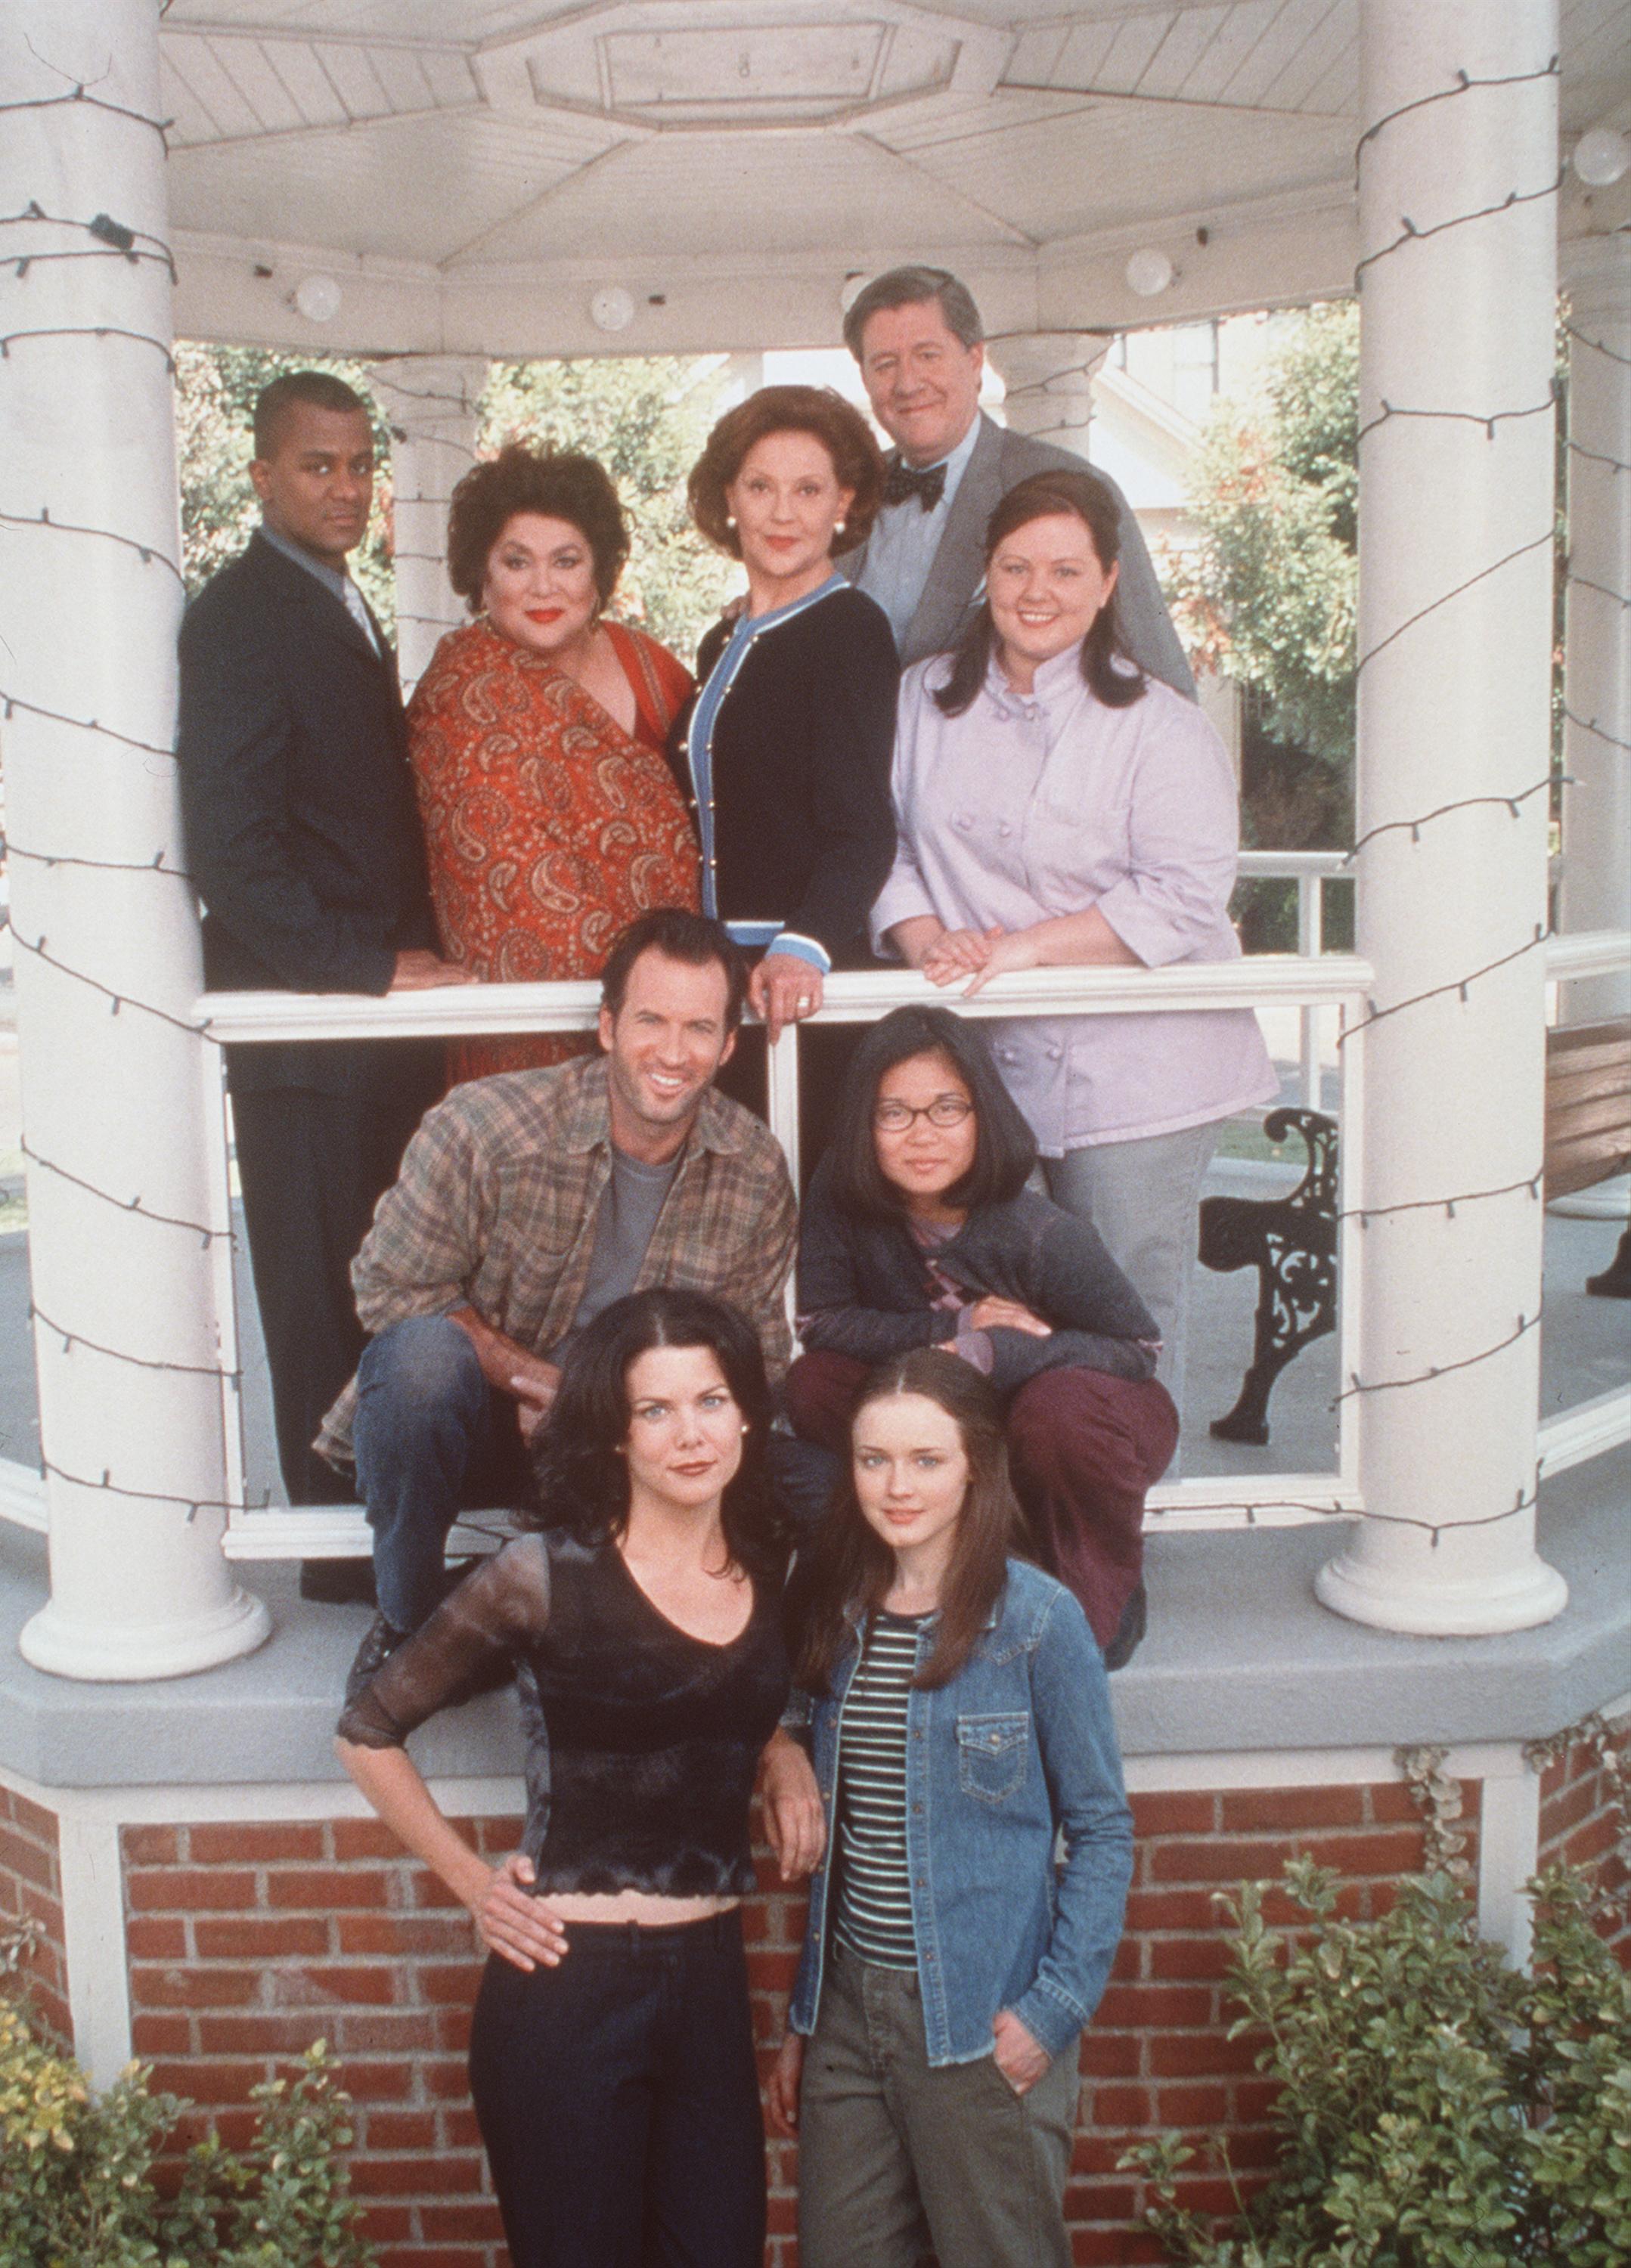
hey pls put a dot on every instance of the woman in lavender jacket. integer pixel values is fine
(1056, 807)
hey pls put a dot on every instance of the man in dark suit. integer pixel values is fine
(917, 335)
(305, 846)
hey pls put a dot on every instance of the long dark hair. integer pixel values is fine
(1005, 1149)
(1111, 673)
(851, 1567)
(580, 1480)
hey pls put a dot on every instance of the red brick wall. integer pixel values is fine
(1581, 1823)
(31, 1889)
(1156, 2055)
(249, 1941)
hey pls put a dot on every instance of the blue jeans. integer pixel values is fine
(432, 1438)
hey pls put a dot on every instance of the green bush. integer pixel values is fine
(1437, 2109)
(76, 2169)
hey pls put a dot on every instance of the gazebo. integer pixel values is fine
(432, 188)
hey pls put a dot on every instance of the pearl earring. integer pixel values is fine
(730, 519)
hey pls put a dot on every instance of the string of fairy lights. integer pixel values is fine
(102, 237)
(1412, 234)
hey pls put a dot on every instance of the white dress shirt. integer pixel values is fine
(1030, 806)
(904, 538)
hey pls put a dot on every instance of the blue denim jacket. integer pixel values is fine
(1017, 1749)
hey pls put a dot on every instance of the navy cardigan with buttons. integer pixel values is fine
(804, 832)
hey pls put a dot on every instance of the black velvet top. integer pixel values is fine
(643, 1742)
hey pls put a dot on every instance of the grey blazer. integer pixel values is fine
(1001, 461)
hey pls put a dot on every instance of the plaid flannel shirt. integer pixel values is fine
(496, 1205)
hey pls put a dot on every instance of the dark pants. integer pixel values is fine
(619, 2102)
(1084, 1448)
(432, 1438)
(311, 1167)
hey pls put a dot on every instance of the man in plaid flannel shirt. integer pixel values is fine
(526, 1203)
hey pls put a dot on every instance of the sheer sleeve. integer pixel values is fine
(500, 1608)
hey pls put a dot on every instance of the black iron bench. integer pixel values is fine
(1292, 1243)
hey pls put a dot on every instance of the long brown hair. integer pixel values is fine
(851, 1567)
(1111, 673)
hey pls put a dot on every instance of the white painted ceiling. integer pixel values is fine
(432, 144)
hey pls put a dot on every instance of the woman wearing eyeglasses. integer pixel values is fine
(919, 1230)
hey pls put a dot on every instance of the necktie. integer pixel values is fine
(902, 481)
(358, 613)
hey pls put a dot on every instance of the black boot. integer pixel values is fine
(338, 1582)
(1615, 1283)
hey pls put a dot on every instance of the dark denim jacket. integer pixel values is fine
(1017, 1749)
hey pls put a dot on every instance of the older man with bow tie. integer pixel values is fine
(917, 335)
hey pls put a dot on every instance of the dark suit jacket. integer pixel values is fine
(1000, 461)
(302, 832)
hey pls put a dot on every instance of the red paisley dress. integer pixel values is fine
(547, 827)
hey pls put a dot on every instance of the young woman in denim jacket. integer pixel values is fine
(960, 1726)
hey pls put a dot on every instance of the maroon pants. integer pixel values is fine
(1083, 1449)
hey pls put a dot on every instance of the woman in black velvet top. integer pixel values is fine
(611, 2058)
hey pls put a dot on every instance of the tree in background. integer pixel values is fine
(645, 419)
(215, 391)
(1268, 595)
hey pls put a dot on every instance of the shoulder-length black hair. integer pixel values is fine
(852, 1566)
(1111, 673)
(1005, 1149)
(580, 1480)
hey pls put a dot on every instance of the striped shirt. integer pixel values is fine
(874, 1914)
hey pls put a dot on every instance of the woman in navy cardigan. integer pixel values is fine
(917, 1231)
(785, 752)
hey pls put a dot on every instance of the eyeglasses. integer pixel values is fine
(945, 1110)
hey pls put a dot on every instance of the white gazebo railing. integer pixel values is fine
(1310, 870)
(1594, 1427)
(1338, 983)
(1317, 988)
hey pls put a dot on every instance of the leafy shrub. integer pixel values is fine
(1437, 2109)
(76, 2169)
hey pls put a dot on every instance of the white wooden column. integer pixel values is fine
(1597, 741)
(430, 402)
(1458, 221)
(1049, 377)
(116, 1083)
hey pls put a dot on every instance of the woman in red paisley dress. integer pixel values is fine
(535, 737)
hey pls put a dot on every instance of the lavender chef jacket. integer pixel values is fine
(1029, 806)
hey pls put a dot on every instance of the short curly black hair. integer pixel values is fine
(556, 484)
(827, 418)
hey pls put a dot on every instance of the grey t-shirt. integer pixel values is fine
(628, 1213)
